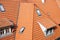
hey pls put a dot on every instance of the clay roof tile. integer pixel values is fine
(5, 22)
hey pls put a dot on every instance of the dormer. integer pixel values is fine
(6, 27)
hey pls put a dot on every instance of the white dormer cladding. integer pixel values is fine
(47, 32)
(1, 8)
(5, 33)
(9, 30)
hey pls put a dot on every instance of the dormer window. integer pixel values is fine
(47, 32)
(57, 38)
(5, 32)
(1, 32)
(6, 27)
(1, 8)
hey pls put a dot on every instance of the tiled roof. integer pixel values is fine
(58, 2)
(5, 22)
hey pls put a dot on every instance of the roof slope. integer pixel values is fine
(5, 22)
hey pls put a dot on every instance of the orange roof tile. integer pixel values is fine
(43, 19)
(5, 22)
(58, 3)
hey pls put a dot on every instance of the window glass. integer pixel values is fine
(1, 8)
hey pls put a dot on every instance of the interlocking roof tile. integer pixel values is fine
(5, 22)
